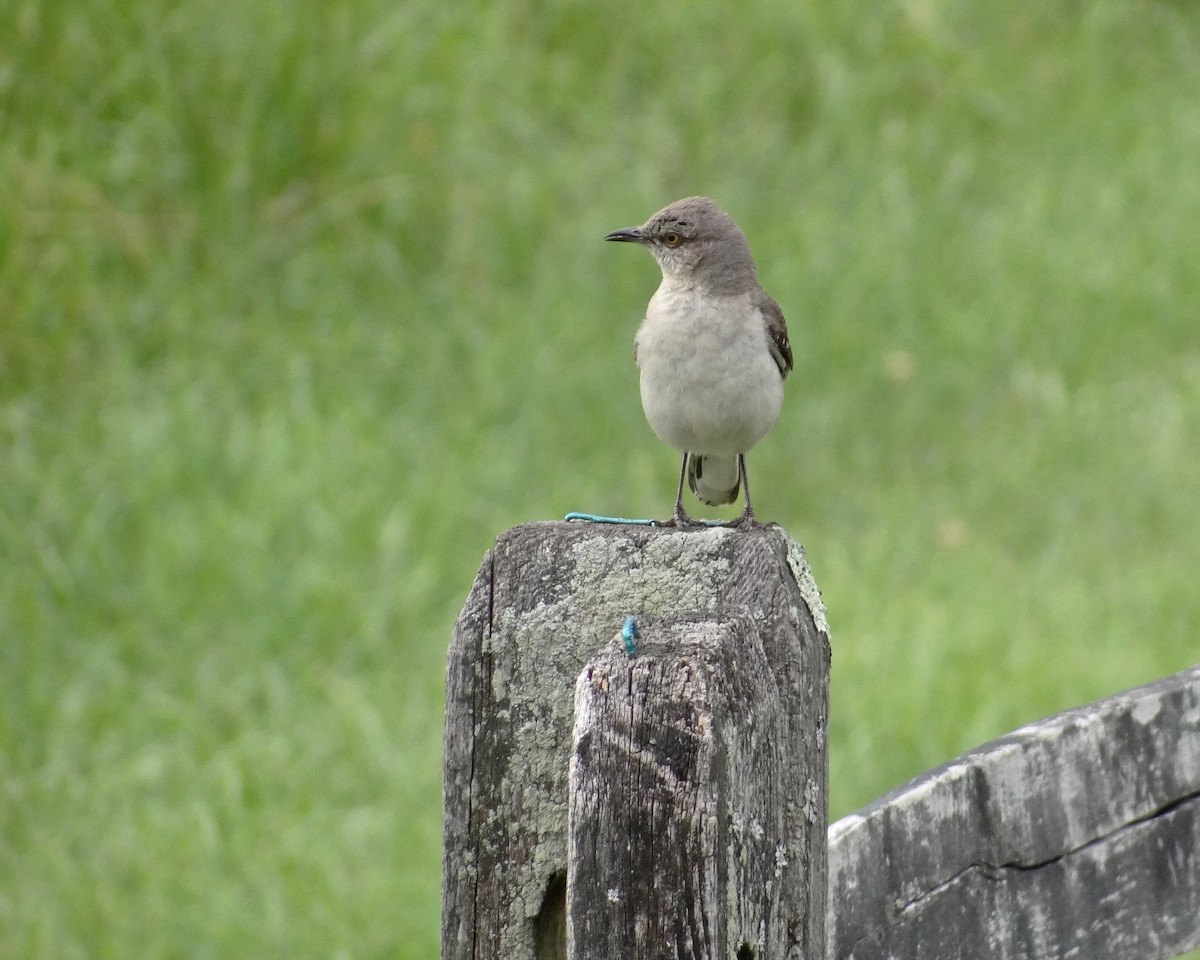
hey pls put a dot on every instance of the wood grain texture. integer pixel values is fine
(678, 841)
(1076, 836)
(549, 598)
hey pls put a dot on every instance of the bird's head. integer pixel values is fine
(694, 240)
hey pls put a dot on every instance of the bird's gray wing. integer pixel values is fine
(777, 335)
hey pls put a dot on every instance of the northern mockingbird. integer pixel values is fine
(712, 353)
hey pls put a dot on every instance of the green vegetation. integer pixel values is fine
(302, 303)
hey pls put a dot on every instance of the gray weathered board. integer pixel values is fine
(547, 606)
(1076, 836)
(679, 830)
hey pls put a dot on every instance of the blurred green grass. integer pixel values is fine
(301, 304)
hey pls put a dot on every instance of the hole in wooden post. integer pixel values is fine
(745, 951)
(550, 925)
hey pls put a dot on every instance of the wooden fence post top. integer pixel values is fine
(675, 567)
(548, 598)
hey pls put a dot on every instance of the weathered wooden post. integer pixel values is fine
(669, 803)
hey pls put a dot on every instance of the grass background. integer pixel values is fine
(302, 303)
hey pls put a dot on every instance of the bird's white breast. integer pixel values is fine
(709, 384)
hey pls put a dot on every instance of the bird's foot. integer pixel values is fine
(680, 520)
(745, 522)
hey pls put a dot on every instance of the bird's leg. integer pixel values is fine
(679, 517)
(747, 517)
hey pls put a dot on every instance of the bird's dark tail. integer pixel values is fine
(714, 480)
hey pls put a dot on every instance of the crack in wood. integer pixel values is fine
(998, 871)
(1097, 813)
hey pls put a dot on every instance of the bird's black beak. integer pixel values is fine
(628, 235)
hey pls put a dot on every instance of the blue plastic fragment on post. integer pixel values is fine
(597, 518)
(629, 634)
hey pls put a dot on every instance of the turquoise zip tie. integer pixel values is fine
(629, 636)
(596, 518)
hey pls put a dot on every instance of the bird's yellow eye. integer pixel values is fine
(672, 239)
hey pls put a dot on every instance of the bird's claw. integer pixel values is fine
(679, 520)
(745, 520)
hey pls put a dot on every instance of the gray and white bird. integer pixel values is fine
(712, 352)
